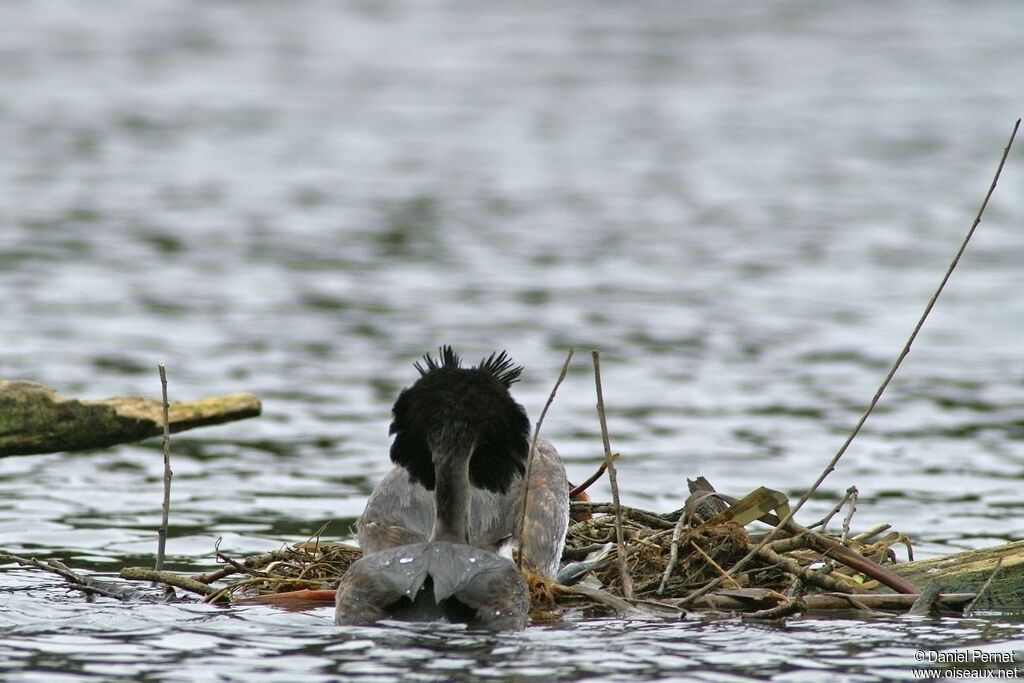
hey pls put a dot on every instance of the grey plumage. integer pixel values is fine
(401, 511)
(428, 533)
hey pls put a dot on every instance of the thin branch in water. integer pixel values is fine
(533, 449)
(239, 567)
(82, 583)
(168, 579)
(823, 522)
(249, 562)
(984, 587)
(161, 547)
(627, 581)
(878, 394)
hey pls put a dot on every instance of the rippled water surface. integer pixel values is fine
(745, 207)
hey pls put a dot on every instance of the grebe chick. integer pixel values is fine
(456, 430)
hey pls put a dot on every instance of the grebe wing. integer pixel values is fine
(462, 583)
(398, 512)
(373, 584)
(486, 583)
(401, 511)
(547, 513)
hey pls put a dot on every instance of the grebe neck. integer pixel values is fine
(451, 496)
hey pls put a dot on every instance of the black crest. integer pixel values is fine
(447, 358)
(453, 411)
(501, 367)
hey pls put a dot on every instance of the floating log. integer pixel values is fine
(968, 571)
(36, 419)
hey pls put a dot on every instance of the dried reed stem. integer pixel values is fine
(851, 496)
(161, 546)
(673, 558)
(642, 516)
(249, 562)
(627, 581)
(590, 480)
(711, 561)
(853, 493)
(533, 449)
(823, 522)
(878, 394)
(871, 532)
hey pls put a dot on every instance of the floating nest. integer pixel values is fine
(304, 566)
(702, 554)
(669, 559)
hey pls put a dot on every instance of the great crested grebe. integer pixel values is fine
(401, 508)
(460, 435)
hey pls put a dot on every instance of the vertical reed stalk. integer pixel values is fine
(627, 581)
(533, 448)
(161, 547)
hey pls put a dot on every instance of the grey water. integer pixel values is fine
(744, 206)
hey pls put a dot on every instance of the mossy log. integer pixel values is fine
(36, 419)
(968, 571)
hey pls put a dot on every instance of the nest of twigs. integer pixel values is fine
(703, 552)
(701, 555)
(304, 566)
(669, 560)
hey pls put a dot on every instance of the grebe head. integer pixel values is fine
(454, 416)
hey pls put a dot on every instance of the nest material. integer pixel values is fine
(704, 553)
(309, 565)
